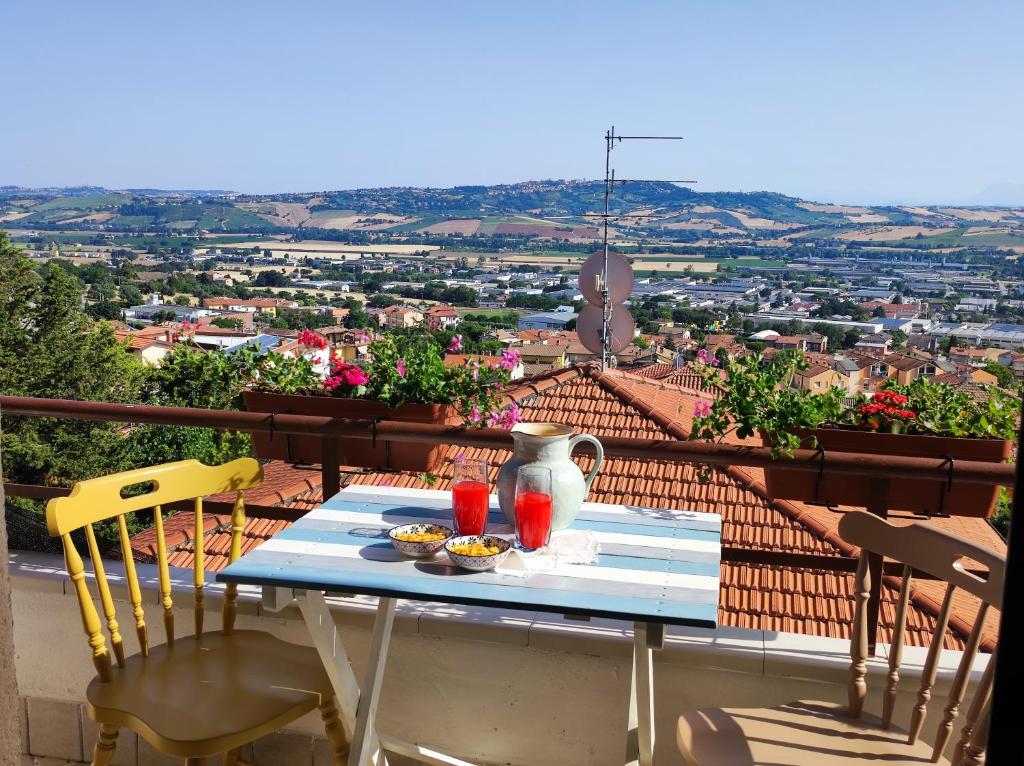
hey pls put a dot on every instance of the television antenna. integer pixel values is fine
(615, 320)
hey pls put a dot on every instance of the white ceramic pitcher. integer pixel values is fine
(549, 445)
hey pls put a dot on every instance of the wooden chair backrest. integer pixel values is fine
(927, 549)
(101, 499)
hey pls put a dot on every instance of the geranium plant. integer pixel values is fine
(401, 370)
(756, 397)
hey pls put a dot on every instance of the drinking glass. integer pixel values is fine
(470, 496)
(533, 507)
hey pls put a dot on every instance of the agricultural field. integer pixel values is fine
(322, 249)
(465, 226)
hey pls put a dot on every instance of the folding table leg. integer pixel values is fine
(640, 735)
(365, 745)
(332, 652)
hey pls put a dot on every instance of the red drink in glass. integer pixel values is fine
(533, 519)
(470, 503)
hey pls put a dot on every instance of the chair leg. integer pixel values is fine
(335, 731)
(106, 743)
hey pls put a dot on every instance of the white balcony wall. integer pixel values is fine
(520, 688)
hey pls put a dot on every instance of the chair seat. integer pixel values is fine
(798, 733)
(210, 694)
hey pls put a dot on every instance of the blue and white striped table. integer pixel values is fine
(655, 568)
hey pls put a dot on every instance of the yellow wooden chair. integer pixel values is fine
(827, 734)
(196, 696)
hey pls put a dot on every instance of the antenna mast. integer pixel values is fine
(609, 183)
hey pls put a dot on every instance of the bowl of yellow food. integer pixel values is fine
(419, 540)
(477, 552)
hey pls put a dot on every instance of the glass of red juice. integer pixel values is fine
(471, 497)
(533, 507)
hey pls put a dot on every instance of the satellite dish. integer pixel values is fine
(620, 278)
(621, 328)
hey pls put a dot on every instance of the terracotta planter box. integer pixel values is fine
(359, 453)
(927, 496)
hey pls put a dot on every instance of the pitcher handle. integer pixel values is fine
(598, 459)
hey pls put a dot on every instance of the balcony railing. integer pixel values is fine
(876, 469)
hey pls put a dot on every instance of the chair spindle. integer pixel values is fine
(981, 697)
(165, 575)
(896, 650)
(198, 568)
(974, 753)
(931, 666)
(105, 598)
(859, 641)
(231, 591)
(90, 619)
(959, 686)
(134, 592)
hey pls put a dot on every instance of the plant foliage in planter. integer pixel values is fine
(922, 419)
(405, 378)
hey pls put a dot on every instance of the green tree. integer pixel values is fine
(50, 348)
(382, 301)
(1003, 374)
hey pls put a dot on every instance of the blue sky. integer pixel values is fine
(866, 101)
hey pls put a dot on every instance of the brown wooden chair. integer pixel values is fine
(827, 734)
(196, 696)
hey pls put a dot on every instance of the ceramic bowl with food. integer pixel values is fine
(419, 540)
(477, 552)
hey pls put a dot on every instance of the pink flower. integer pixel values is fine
(510, 416)
(356, 376)
(400, 368)
(474, 414)
(509, 359)
(701, 409)
(714, 361)
(363, 337)
(476, 369)
(703, 356)
(455, 346)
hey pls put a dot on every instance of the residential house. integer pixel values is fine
(400, 317)
(461, 360)
(149, 349)
(442, 317)
(348, 345)
(819, 378)
(876, 344)
(812, 342)
(541, 357)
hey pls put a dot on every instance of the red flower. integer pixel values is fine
(310, 339)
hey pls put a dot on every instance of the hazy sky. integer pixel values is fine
(866, 101)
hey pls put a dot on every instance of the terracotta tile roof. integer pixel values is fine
(625, 404)
(542, 349)
(461, 360)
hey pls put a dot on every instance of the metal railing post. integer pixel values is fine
(880, 507)
(330, 471)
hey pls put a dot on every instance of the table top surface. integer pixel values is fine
(659, 566)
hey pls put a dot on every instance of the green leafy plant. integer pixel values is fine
(401, 369)
(943, 410)
(756, 397)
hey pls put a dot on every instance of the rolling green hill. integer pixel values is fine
(546, 209)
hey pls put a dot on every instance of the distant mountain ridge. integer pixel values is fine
(551, 209)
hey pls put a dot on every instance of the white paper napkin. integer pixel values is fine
(568, 546)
